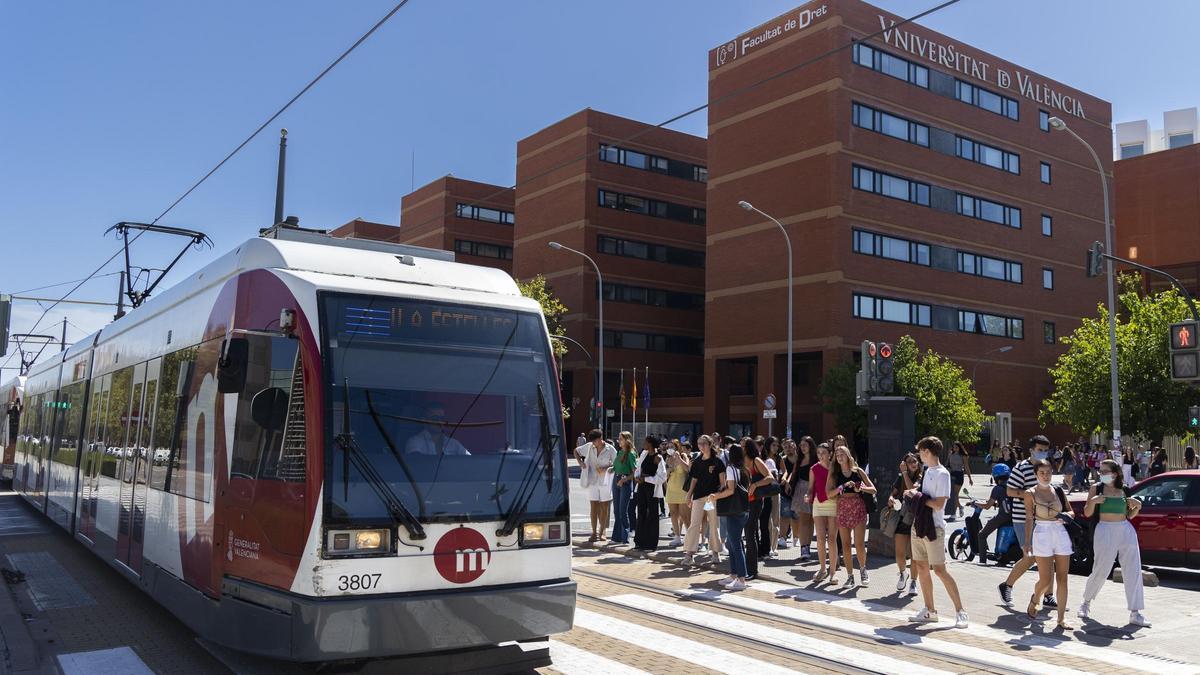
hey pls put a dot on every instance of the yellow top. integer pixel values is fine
(675, 492)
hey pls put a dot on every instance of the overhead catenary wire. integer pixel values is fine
(363, 38)
(720, 99)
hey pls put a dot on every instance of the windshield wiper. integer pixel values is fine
(525, 490)
(352, 454)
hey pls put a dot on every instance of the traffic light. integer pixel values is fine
(1185, 356)
(1094, 259)
(5, 315)
(1194, 418)
(886, 369)
(864, 382)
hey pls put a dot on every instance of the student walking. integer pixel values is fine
(909, 477)
(760, 476)
(850, 483)
(798, 480)
(931, 553)
(707, 474)
(1021, 479)
(1114, 539)
(596, 459)
(959, 465)
(732, 503)
(679, 462)
(1047, 539)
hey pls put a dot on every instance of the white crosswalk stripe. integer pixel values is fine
(672, 645)
(570, 660)
(776, 636)
(1042, 643)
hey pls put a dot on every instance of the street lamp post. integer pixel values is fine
(600, 312)
(750, 207)
(998, 350)
(1058, 124)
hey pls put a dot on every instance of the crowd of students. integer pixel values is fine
(747, 498)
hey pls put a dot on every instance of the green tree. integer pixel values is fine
(553, 308)
(945, 400)
(1152, 406)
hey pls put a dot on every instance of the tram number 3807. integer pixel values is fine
(358, 582)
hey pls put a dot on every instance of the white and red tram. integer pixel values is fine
(317, 449)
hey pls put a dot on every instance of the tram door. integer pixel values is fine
(132, 458)
(89, 478)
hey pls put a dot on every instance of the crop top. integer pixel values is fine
(1115, 505)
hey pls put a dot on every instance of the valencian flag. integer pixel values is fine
(622, 391)
(633, 399)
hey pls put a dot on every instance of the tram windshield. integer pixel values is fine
(445, 410)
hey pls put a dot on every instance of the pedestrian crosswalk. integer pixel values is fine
(575, 661)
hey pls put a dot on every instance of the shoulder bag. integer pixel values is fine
(889, 521)
(738, 502)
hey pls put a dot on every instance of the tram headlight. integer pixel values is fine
(542, 534)
(357, 542)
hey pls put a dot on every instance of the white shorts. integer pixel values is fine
(1050, 538)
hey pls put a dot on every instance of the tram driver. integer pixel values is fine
(432, 438)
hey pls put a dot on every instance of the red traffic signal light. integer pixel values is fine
(871, 349)
(885, 351)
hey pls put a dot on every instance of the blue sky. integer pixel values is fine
(109, 111)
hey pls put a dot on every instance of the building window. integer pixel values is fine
(893, 311)
(892, 248)
(485, 214)
(1048, 332)
(653, 342)
(654, 297)
(991, 268)
(984, 209)
(483, 249)
(1047, 278)
(1044, 120)
(888, 185)
(1045, 172)
(988, 100)
(988, 155)
(1180, 140)
(1131, 150)
(655, 163)
(652, 207)
(654, 252)
(888, 124)
(990, 324)
(1047, 226)
(885, 63)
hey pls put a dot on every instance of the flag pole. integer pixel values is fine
(646, 399)
(622, 401)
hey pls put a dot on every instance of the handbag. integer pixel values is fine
(889, 521)
(869, 501)
(585, 473)
(768, 490)
(737, 503)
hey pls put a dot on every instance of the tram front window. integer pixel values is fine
(445, 405)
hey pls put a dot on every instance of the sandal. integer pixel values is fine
(1032, 610)
(1063, 625)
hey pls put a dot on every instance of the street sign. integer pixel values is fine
(769, 401)
(770, 414)
(1185, 355)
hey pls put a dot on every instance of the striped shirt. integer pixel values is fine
(1022, 478)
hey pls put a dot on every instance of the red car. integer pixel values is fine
(1168, 526)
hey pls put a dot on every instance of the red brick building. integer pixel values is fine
(924, 194)
(637, 209)
(475, 220)
(1158, 213)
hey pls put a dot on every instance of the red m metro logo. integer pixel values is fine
(462, 555)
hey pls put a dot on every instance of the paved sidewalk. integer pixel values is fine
(1175, 612)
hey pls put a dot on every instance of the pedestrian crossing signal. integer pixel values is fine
(1183, 335)
(1185, 355)
(1194, 417)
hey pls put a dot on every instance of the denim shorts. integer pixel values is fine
(785, 508)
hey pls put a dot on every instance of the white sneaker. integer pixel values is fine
(960, 619)
(688, 560)
(727, 580)
(862, 575)
(1084, 610)
(924, 616)
(1137, 619)
(677, 542)
(900, 582)
(912, 588)
(773, 554)
(737, 585)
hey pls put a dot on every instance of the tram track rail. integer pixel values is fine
(810, 627)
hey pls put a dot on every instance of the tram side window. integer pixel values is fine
(33, 430)
(166, 420)
(186, 470)
(118, 418)
(70, 418)
(270, 364)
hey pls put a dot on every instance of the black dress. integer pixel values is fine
(645, 537)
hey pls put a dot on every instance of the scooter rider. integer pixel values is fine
(997, 499)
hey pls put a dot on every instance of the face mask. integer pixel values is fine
(1043, 483)
(670, 451)
(1107, 479)
(1040, 454)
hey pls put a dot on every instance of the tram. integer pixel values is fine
(316, 449)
